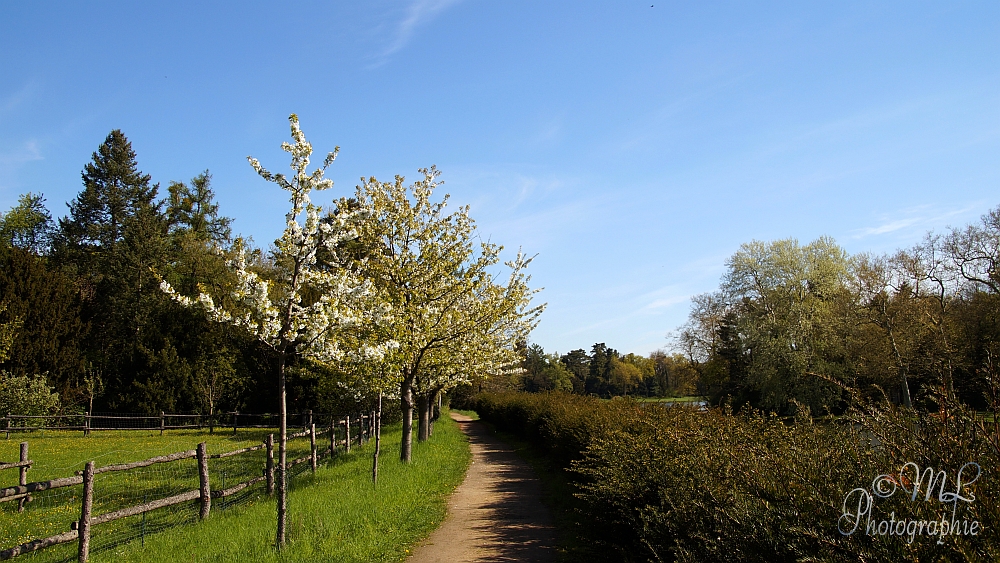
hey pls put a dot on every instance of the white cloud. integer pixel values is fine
(418, 13)
(919, 218)
(27, 152)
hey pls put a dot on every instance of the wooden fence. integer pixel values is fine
(87, 422)
(81, 530)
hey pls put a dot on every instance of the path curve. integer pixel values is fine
(495, 514)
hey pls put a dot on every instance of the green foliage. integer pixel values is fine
(793, 323)
(24, 395)
(675, 483)
(52, 335)
(28, 225)
(544, 372)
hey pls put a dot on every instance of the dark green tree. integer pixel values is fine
(600, 369)
(578, 363)
(52, 334)
(112, 240)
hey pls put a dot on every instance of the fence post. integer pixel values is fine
(312, 444)
(305, 426)
(8, 426)
(83, 528)
(162, 423)
(204, 485)
(269, 467)
(347, 433)
(235, 414)
(361, 429)
(86, 424)
(23, 477)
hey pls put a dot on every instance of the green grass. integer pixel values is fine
(336, 515)
(333, 516)
(692, 399)
(59, 453)
(471, 414)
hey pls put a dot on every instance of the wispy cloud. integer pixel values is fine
(27, 152)
(418, 14)
(922, 217)
(11, 102)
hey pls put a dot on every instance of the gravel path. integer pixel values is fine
(495, 514)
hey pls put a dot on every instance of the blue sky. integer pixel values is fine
(632, 147)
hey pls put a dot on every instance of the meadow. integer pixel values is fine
(334, 515)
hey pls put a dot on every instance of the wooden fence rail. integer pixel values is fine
(88, 422)
(81, 530)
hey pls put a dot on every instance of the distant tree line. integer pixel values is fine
(810, 324)
(605, 372)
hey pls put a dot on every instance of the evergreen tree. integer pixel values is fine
(114, 191)
(578, 363)
(114, 235)
(51, 334)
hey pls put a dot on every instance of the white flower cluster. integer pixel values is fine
(299, 309)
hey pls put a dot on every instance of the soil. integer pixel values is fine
(495, 514)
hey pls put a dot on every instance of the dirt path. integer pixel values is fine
(495, 514)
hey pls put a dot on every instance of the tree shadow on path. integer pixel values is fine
(496, 514)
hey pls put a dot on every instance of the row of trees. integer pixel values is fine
(386, 292)
(795, 323)
(131, 302)
(606, 372)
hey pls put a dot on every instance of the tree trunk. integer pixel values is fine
(282, 453)
(424, 412)
(406, 403)
(378, 439)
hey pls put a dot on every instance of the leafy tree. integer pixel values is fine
(599, 376)
(192, 209)
(114, 192)
(113, 238)
(439, 287)
(28, 225)
(300, 309)
(20, 394)
(26, 395)
(545, 372)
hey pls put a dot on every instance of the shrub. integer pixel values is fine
(680, 484)
(23, 395)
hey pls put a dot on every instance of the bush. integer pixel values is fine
(675, 483)
(23, 395)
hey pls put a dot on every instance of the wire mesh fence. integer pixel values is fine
(87, 422)
(131, 501)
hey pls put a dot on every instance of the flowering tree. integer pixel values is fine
(300, 309)
(451, 316)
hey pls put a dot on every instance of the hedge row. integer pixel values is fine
(675, 483)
